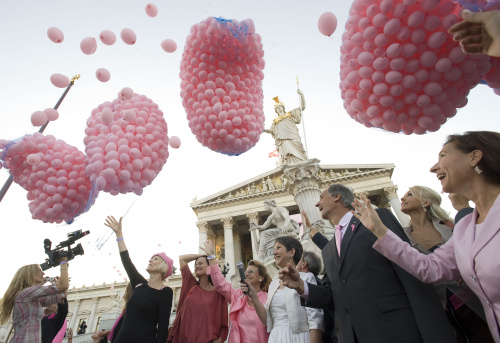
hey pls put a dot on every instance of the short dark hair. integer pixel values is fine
(488, 143)
(313, 262)
(291, 243)
(346, 194)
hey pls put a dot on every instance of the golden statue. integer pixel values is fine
(285, 132)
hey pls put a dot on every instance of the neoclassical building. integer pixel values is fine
(226, 216)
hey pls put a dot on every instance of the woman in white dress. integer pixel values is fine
(286, 319)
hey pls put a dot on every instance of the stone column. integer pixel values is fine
(303, 182)
(229, 245)
(90, 326)
(237, 248)
(203, 234)
(254, 218)
(74, 316)
(391, 194)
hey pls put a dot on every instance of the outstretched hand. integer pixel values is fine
(479, 33)
(368, 216)
(208, 247)
(290, 277)
(305, 219)
(115, 225)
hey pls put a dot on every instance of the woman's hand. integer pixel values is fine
(369, 217)
(208, 247)
(305, 220)
(115, 225)
(479, 33)
(218, 340)
(247, 288)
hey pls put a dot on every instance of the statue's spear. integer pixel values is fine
(7, 183)
(303, 124)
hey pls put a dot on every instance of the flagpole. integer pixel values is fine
(302, 115)
(7, 183)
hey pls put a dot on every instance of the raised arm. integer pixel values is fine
(302, 100)
(268, 221)
(132, 273)
(185, 259)
(116, 226)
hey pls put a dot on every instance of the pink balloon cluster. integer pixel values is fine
(126, 143)
(221, 73)
(400, 69)
(53, 173)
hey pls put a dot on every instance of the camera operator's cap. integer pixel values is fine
(168, 261)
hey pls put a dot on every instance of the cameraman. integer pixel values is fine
(26, 297)
(53, 320)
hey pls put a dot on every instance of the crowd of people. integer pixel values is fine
(380, 282)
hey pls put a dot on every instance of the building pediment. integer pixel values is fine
(271, 183)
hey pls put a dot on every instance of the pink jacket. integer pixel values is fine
(237, 300)
(470, 254)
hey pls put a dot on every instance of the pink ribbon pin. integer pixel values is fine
(353, 227)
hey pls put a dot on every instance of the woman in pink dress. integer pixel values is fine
(25, 299)
(245, 325)
(201, 311)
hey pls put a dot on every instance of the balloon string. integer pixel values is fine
(101, 241)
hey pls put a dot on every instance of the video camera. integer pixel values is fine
(56, 254)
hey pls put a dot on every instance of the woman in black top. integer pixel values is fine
(148, 309)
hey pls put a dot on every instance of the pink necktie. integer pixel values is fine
(338, 237)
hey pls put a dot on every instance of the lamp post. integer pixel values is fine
(225, 268)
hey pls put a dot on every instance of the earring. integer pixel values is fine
(479, 171)
(425, 210)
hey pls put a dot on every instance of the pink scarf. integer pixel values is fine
(111, 333)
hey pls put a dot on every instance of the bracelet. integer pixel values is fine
(119, 239)
(63, 262)
(211, 257)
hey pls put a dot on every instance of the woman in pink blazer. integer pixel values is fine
(468, 164)
(245, 325)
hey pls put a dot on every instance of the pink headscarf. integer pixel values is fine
(168, 261)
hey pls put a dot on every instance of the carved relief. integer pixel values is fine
(203, 227)
(390, 192)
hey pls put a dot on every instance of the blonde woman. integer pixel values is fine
(25, 299)
(148, 309)
(430, 225)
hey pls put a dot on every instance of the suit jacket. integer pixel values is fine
(471, 253)
(373, 298)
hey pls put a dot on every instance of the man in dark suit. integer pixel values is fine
(374, 300)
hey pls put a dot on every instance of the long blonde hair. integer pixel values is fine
(24, 278)
(434, 210)
(128, 293)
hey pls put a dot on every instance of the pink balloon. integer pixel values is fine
(151, 10)
(174, 142)
(59, 80)
(400, 70)
(107, 37)
(52, 172)
(33, 159)
(169, 45)
(38, 118)
(221, 81)
(52, 114)
(126, 93)
(128, 36)
(55, 34)
(102, 75)
(126, 143)
(88, 45)
(327, 23)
